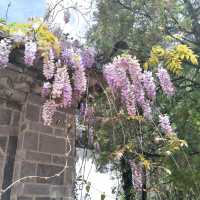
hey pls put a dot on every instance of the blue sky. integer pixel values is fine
(20, 10)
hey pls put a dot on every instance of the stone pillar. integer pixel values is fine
(40, 150)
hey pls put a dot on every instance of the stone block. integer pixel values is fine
(24, 127)
(28, 169)
(5, 116)
(38, 157)
(44, 198)
(68, 198)
(24, 198)
(16, 118)
(8, 130)
(17, 96)
(5, 82)
(60, 160)
(14, 105)
(59, 119)
(49, 144)
(69, 176)
(50, 170)
(32, 112)
(36, 189)
(39, 127)
(17, 170)
(20, 142)
(60, 132)
(20, 155)
(22, 86)
(30, 141)
(17, 190)
(35, 99)
(60, 191)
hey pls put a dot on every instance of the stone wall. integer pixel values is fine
(27, 147)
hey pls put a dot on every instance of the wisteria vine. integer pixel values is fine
(66, 79)
(137, 88)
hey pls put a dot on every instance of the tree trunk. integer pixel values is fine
(144, 184)
(127, 179)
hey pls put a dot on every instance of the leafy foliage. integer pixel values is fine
(162, 33)
(172, 58)
(45, 39)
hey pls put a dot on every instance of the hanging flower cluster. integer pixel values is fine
(80, 80)
(66, 16)
(115, 76)
(137, 88)
(165, 124)
(136, 175)
(30, 52)
(49, 65)
(5, 49)
(66, 56)
(129, 97)
(165, 82)
(67, 91)
(18, 36)
(88, 57)
(59, 81)
(46, 89)
(132, 91)
(60, 90)
(149, 84)
(49, 109)
(59, 86)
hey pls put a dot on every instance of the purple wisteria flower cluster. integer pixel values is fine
(165, 82)
(30, 52)
(80, 80)
(5, 49)
(88, 57)
(49, 108)
(136, 175)
(137, 88)
(60, 89)
(165, 124)
(125, 75)
(49, 65)
(149, 84)
(59, 86)
(46, 89)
